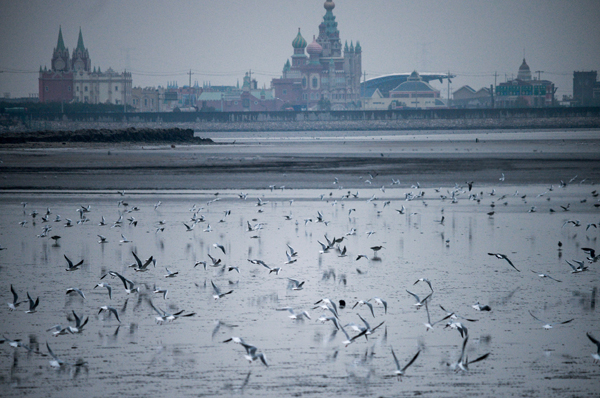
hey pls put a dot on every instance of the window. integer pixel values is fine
(116, 88)
(145, 101)
(284, 92)
(46, 88)
(69, 88)
(77, 88)
(85, 88)
(315, 82)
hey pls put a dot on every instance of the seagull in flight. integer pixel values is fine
(365, 302)
(419, 302)
(580, 266)
(71, 266)
(56, 362)
(596, 355)
(290, 260)
(217, 292)
(32, 304)
(109, 310)
(381, 302)
(592, 254)
(295, 284)
(107, 286)
(75, 290)
(463, 362)
(430, 325)
(400, 370)
(541, 275)
(15, 303)
(503, 257)
(129, 285)
(547, 325)
(295, 315)
(424, 280)
(218, 246)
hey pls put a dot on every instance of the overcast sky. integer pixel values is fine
(160, 41)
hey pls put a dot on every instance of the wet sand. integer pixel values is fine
(305, 160)
(137, 357)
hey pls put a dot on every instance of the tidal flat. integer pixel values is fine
(137, 356)
(440, 231)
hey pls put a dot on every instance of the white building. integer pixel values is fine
(412, 94)
(95, 86)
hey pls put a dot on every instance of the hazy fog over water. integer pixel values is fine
(160, 42)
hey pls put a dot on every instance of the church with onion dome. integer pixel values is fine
(322, 75)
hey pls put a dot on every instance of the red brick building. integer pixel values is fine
(56, 84)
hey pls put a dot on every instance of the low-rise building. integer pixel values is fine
(524, 91)
(414, 93)
(247, 99)
(146, 99)
(467, 97)
(586, 89)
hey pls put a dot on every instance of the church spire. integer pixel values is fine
(60, 45)
(80, 45)
(81, 56)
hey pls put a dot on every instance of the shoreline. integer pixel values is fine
(415, 124)
(258, 162)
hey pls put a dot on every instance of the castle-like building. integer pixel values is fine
(72, 79)
(321, 75)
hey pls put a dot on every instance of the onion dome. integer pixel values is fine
(329, 5)
(314, 48)
(299, 41)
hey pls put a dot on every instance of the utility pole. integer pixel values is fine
(190, 73)
(539, 72)
(448, 88)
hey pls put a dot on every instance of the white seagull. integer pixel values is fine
(400, 370)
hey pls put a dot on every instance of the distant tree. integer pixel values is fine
(324, 104)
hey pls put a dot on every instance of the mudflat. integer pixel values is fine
(307, 160)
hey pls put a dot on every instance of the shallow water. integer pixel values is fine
(183, 358)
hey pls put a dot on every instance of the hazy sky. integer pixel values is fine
(160, 41)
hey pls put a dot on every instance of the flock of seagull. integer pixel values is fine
(353, 333)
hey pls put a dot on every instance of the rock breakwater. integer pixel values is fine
(105, 135)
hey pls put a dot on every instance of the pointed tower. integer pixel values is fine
(329, 35)
(60, 56)
(81, 57)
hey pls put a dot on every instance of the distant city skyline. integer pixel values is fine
(219, 41)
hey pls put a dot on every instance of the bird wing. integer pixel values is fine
(215, 288)
(395, 360)
(481, 358)
(15, 296)
(510, 262)
(114, 311)
(414, 295)
(137, 259)
(593, 340)
(536, 318)
(68, 261)
(411, 361)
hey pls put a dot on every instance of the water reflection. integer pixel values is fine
(417, 244)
